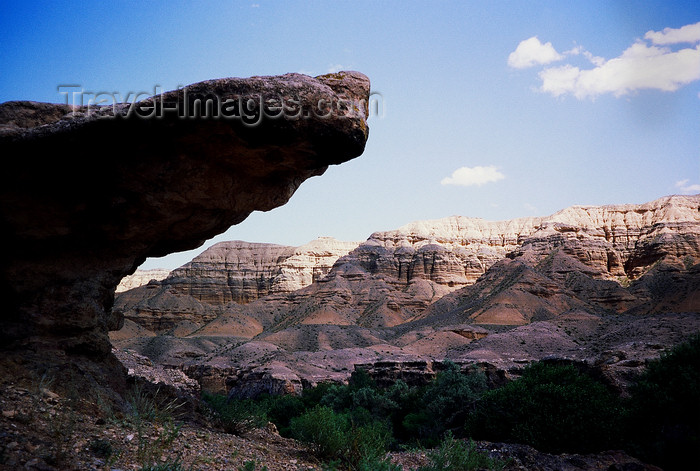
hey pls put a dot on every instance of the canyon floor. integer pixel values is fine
(44, 431)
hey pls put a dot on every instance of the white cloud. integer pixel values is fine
(687, 189)
(532, 52)
(468, 176)
(641, 66)
(595, 60)
(685, 34)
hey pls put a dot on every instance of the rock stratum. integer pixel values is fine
(229, 272)
(604, 285)
(88, 193)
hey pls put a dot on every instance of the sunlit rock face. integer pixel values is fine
(609, 286)
(229, 272)
(634, 259)
(592, 252)
(141, 277)
(611, 241)
(242, 272)
(580, 258)
(89, 193)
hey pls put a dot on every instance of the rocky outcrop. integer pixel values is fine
(89, 193)
(610, 241)
(581, 258)
(637, 259)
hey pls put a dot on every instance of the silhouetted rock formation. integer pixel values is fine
(89, 193)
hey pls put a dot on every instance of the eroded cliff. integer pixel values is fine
(229, 272)
(600, 285)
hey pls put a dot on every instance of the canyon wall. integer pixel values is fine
(586, 256)
(229, 272)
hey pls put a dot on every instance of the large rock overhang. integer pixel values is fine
(88, 193)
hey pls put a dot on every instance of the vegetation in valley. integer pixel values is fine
(662, 418)
(552, 407)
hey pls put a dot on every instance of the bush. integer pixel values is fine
(444, 404)
(236, 416)
(335, 436)
(456, 455)
(323, 428)
(554, 408)
(663, 418)
(369, 443)
(281, 409)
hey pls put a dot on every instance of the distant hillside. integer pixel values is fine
(461, 288)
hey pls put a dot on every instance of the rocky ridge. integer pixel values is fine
(609, 287)
(395, 275)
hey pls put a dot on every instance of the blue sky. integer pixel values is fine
(490, 109)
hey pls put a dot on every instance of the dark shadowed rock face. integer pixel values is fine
(88, 194)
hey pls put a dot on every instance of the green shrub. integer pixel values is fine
(444, 404)
(335, 436)
(368, 443)
(281, 409)
(338, 397)
(236, 416)
(360, 378)
(663, 417)
(457, 455)
(376, 402)
(554, 408)
(325, 429)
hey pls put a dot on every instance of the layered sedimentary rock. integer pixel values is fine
(229, 272)
(581, 258)
(242, 272)
(610, 259)
(89, 193)
(614, 240)
(584, 257)
(604, 287)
